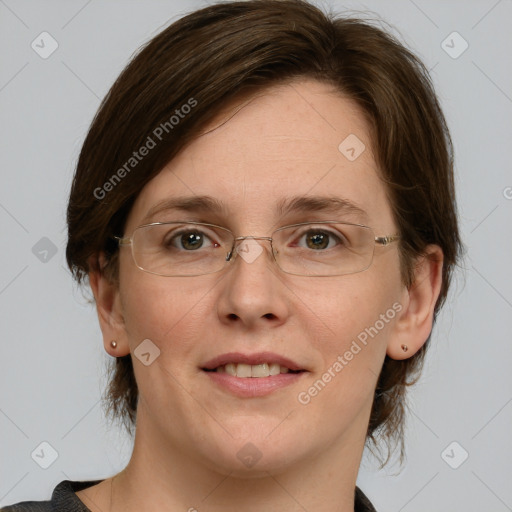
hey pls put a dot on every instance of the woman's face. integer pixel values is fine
(285, 143)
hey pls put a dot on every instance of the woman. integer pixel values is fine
(264, 210)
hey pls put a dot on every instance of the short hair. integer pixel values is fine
(206, 58)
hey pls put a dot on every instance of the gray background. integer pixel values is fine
(52, 365)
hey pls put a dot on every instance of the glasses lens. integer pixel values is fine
(181, 249)
(324, 249)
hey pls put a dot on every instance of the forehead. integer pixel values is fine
(297, 140)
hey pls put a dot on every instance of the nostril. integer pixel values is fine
(270, 316)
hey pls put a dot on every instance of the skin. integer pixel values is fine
(282, 143)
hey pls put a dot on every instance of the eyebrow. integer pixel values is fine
(298, 204)
(186, 204)
(325, 204)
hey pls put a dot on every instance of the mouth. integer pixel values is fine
(257, 371)
(262, 364)
(252, 375)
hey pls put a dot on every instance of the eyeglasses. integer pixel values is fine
(317, 249)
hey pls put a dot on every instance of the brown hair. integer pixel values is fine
(202, 61)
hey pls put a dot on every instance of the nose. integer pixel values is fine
(251, 292)
(248, 246)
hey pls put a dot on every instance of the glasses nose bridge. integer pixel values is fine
(238, 239)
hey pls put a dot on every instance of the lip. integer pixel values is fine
(251, 387)
(252, 359)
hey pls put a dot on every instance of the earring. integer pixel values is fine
(113, 344)
(405, 348)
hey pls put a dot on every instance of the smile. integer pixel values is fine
(257, 370)
(252, 375)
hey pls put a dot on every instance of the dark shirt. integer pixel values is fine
(64, 499)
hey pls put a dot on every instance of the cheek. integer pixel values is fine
(348, 332)
(350, 322)
(344, 307)
(168, 311)
(355, 321)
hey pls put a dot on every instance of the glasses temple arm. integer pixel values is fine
(126, 240)
(386, 240)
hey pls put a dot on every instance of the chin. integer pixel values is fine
(257, 455)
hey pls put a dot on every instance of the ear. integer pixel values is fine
(109, 308)
(415, 321)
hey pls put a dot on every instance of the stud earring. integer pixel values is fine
(405, 348)
(113, 344)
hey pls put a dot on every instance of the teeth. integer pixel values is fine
(230, 369)
(274, 369)
(257, 370)
(243, 370)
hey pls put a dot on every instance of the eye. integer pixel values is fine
(188, 240)
(317, 240)
(320, 239)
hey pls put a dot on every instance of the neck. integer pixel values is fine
(178, 482)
